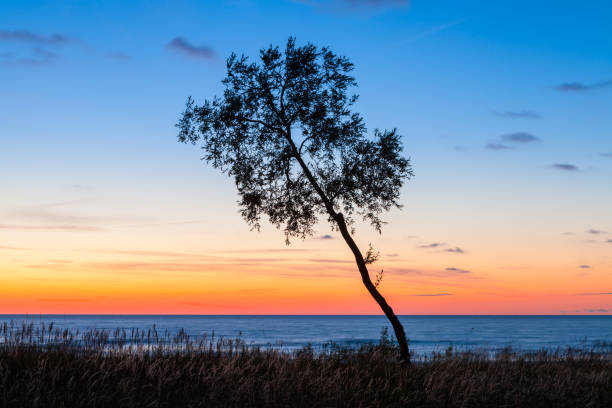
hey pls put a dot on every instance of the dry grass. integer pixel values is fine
(46, 367)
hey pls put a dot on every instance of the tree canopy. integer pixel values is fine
(285, 132)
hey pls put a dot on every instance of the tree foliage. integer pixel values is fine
(285, 131)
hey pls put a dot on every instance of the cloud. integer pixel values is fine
(63, 300)
(33, 38)
(431, 31)
(259, 250)
(410, 271)
(432, 245)
(162, 254)
(120, 56)
(456, 250)
(354, 4)
(67, 228)
(522, 114)
(38, 57)
(591, 310)
(606, 154)
(497, 146)
(200, 304)
(432, 294)
(394, 255)
(594, 294)
(457, 270)
(585, 266)
(181, 45)
(609, 241)
(520, 137)
(330, 261)
(377, 3)
(47, 216)
(517, 137)
(326, 236)
(459, 148)
(580, 87)
(11, 248)
(594, 231)
(564, 167)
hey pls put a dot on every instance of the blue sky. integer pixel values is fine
(505, 109)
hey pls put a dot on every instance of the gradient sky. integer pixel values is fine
(505, 110)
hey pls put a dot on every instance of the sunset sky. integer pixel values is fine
(505, 109)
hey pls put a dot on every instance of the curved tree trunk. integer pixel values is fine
(400, 335)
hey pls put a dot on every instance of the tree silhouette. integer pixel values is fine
(284, 131)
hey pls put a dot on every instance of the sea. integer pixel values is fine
(426, 334)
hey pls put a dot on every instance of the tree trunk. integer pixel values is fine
(400, 335)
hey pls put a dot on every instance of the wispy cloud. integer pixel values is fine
(594, 310)
(325, 260)
(326, 236)
(431, 31)
(78, 187)
(432, 245)
(376, 3)
(34, 38)
(37, 57)
(449, 275)
(38, 54)
(594, 231)
(353, 5)
(564, 167)
(520, 137)
(609, 155)
(119, 56)
(522, 114)
(432, 294)
(215, 305)
(11, 248)
(67, 228)
(63, 300)
(181, 45)
(457, 270)
(497, 146)
(456, 250)
(594, 294)
(582, 87)
(158, 254)
(609, 241)
(585, 266)
(512, 138)
(262, 250)
(52, 216)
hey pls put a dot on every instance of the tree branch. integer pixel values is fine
(304, 141)
(261, 122)
(329, 205)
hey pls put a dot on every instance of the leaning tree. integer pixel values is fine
(285, 132)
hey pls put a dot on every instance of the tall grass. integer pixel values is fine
(42, 366)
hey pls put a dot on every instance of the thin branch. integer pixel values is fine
(274, 128)
(282, 97)
(304, 141)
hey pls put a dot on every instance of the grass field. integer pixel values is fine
(47, 367)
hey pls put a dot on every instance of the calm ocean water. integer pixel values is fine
(426, 333)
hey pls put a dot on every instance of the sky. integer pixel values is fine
(504, 110)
